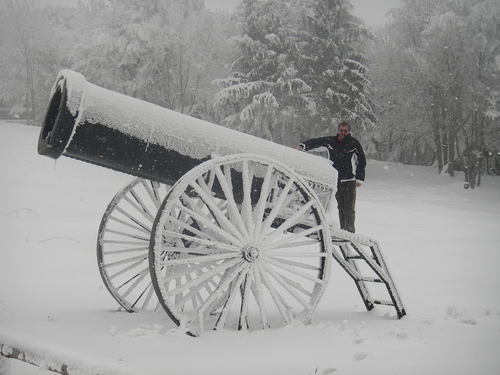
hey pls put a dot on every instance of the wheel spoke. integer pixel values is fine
(123, 244)
(227, 188)
(260, 208)
(282, 307)
(177, 271)
(271, 258)
(283, 200)
(153, 190)
(210, 225)
(149, 294)
(181, 229)
(131, 223)
(125, 234)
(125, 250)
(298, 286)
(240, 241)
(288, 223)
(291, 240)
(124, 270)
(289, 287)
(139, 206)
(196, 258)
(116, 242)
(246, 206)
(194, 294)
(219, 216)
(133, 218)
(233, 291)
(283, 264)
(209, 243)
(259, 296)
(204, 277)
(197, 206)
(140, 276)
(245, 295)
(220, 290)
(137, 260)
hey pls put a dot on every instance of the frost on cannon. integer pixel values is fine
(100, 126)
(219, 228)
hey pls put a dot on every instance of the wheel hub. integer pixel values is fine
(251, 253)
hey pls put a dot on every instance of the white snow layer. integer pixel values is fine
(176, 131)
(441, 243)
(49, 356)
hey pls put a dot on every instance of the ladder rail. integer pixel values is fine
(347, 250)
(356, 276)
(381, 269)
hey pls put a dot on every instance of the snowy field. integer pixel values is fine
(441, 243)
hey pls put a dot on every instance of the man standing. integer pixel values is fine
(349, 160)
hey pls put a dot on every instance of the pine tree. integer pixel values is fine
(339, 76)
(265, 94)
(297, 72)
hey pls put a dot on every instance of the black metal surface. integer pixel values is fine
(111, 148)
(102, 145)
(57, 125)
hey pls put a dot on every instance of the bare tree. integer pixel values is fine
(162, 51)
(438, 66)
(21, 32)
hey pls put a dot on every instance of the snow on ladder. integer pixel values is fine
(362, 259)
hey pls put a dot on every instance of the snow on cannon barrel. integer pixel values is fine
(100, 126)
(242, 236)
(230, 198)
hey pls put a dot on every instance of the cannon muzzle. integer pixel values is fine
(100, 126)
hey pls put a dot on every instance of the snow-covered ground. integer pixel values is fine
(441, 242)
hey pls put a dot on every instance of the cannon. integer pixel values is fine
(219, 228)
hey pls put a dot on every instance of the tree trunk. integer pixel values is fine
(437, 137)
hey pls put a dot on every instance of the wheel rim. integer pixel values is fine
(240, 242)
(123, 244)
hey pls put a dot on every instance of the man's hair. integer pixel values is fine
(344, 123)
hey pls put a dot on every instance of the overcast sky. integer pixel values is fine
(371, 11)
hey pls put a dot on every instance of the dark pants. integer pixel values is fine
(346, 200)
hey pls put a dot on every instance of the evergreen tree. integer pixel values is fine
(298, 70)
(338, 74)
(265, 94)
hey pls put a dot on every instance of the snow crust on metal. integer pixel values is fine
(179, 132)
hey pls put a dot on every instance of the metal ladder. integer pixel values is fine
(362, 259)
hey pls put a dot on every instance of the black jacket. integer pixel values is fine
(347, 155)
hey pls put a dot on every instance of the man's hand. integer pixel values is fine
(299, 147)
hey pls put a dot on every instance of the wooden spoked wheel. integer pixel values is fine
(123, 244)
(240, 242)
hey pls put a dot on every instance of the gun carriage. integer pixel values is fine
(219, 228)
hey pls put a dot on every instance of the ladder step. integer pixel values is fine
(359, 257)
(340, 242)
(351, 251)
(370, 279)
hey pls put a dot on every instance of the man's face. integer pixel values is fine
(343, 131)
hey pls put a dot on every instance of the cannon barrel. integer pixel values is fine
(100, 126)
